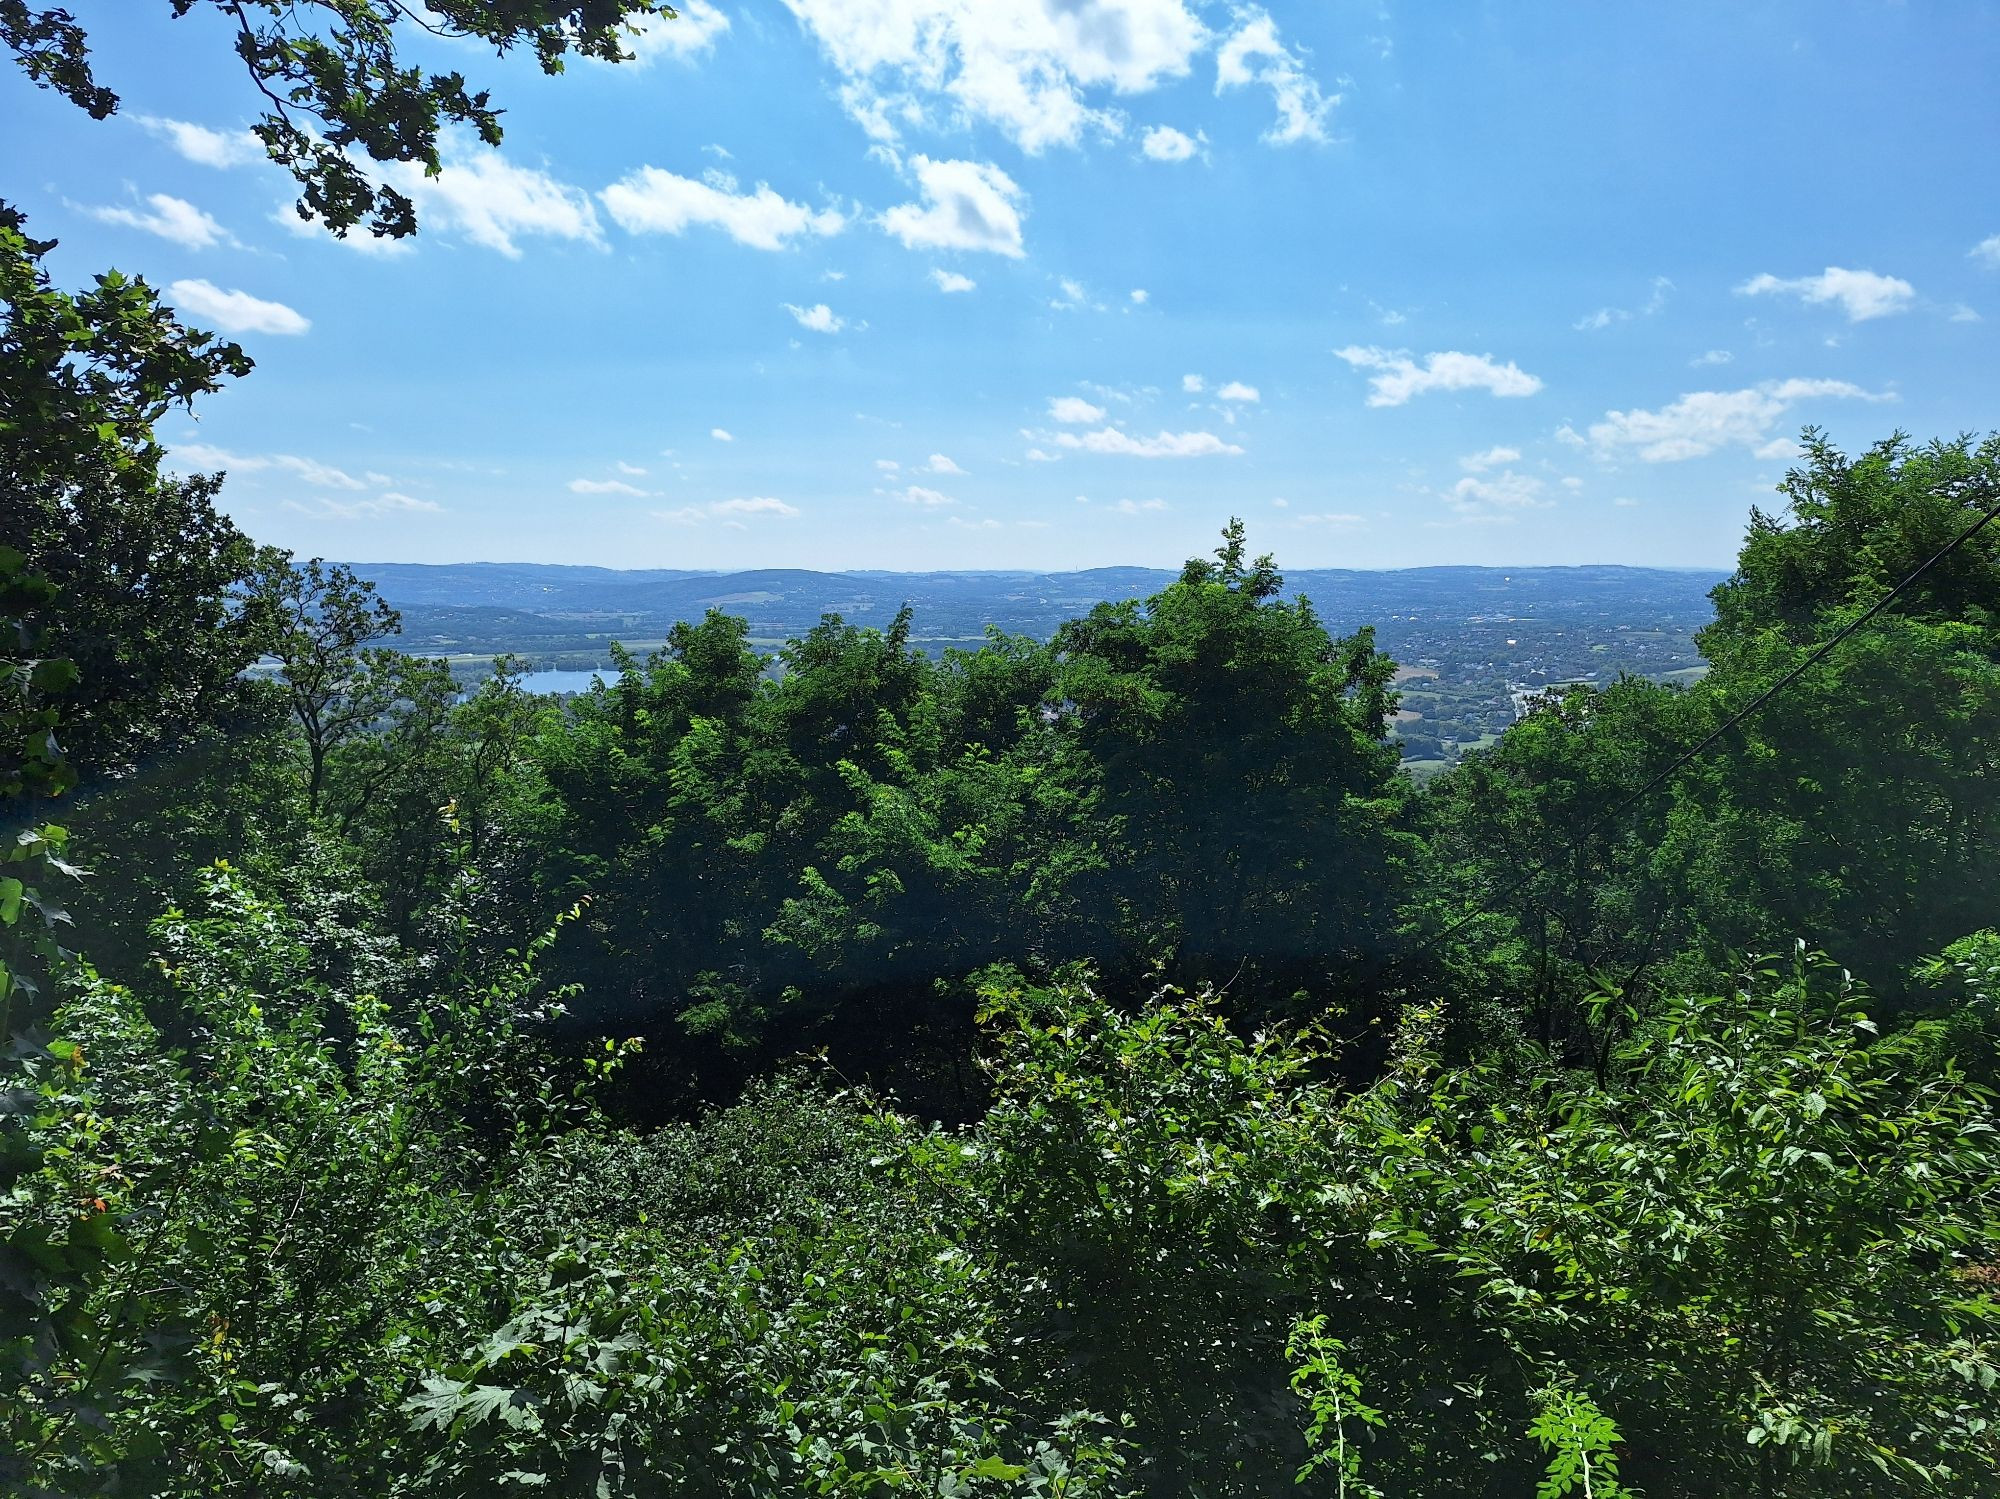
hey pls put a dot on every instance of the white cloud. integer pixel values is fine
(1139, 296)
(720, 435)
(1074, 409)
(916, 494)
(1110, 440)
(235, 311)
(1236, 390)
(1332, 518)
(171, 218)
(692, 32)
(603, 486)
(1712, 357)
(1024, 68)
(1701, 422)
(286, 216)
(1192, 384)
(204, 457)
(818, 318)
(654, 201)
(939, 464)
(1625, 502)
(390, 502)
(951, 281)
(204, 146)
(1255, 54)
(1400, 377)
(727, 511)
(630, 468)
(1479, 463)
(1861, 294)
(1987, 252)
(1604, 317)
(1074, 295)
(967, 205)
(1960, 313)
(1506, 491)
(1164, 143)
(491, 201)
(759, 506)
(1137, 507)
(1036, 455)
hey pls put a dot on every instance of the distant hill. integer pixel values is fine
(1476, 641)
(474, 601)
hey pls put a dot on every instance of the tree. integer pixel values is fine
(1241, 770)
(321, 620)
(334, 84)
(1891, 744)
(145, 568)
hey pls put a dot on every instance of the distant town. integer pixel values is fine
(1476, 646)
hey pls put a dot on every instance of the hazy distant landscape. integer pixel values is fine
(1465, 638)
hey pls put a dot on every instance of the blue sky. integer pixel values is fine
(1062, 283)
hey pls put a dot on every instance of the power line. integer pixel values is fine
(1687, 756)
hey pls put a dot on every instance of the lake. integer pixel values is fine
(566, 681)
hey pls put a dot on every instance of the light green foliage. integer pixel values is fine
(1332, 1393)
(1581, 1442)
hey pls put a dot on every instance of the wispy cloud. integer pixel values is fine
(730, 512)
(655, 201)
(1862, 295)
(1109, 440)
(389, 502)
(1399, 377)
(1704, 421)
(692, 30)
(1496, 457)
(168, 217)
(236, 311)
(493, 201)
(203, 457)
(1074, 410)
(819, 318)
(204, 145)
(1254, 53)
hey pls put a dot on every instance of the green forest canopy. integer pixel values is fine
(1077, 1068)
